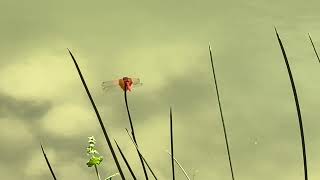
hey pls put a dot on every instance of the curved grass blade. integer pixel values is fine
(184, 172)
(221, 114)
(98, 117)
(110, 177)
(135, 145)
(133, 134)
(314, 48)
(171, 140)
(48, 163)
(304, 153)
(125, 160)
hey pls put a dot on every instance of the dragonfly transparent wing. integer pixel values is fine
(136, 82)
(109, 85)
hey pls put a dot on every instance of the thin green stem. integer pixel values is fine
(180, 166)
(97, 172)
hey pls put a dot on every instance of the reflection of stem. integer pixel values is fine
(184, 172)
(98, 175)
(132, 131)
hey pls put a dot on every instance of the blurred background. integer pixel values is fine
(165, 44)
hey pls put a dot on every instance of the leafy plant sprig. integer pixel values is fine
(95, 159)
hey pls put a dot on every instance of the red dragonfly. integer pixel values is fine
(124, 83)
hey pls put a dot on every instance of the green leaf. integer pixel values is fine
(110, 177)
(94, 161)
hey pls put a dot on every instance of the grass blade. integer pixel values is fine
(184, 172)
(133, 133)
(304, 154)
(125, 160)
(221, 114)
(135, 145)
(48, 163)
(113, 175)
(314, 48)
(99, 117)
(171, 139)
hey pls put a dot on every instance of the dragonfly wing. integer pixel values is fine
(137, 85)
(108, 85)
(136, 82)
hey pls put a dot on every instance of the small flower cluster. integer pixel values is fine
(91, 151)
(95, 160)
